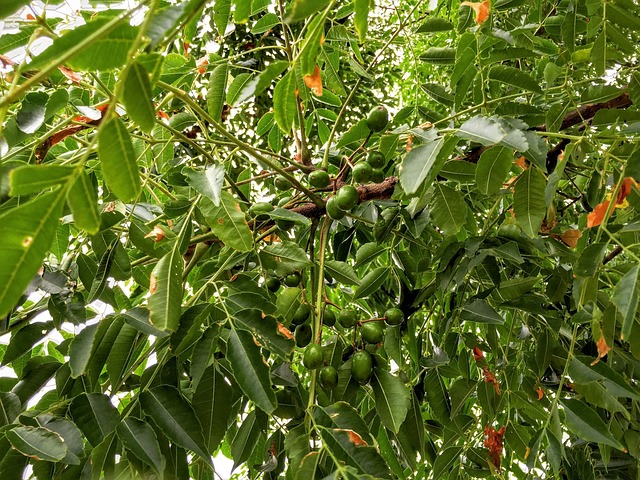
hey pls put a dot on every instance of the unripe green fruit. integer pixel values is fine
(302, 314)
(303, 335)
(377, 176)
(259, 210)
(376, 159)
(347, 197)
(282, 183)
(283, 201)
(361, 366)
(372, 332)
(362, 173)
(394, 316)
(273, 284)
(328, 377)
(329, 318)
(313, 356)
(378, 118)
(292, 280)
(347, 318)
(333, 210)
(319, 179)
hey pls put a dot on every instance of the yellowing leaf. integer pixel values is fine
(481, 10)
(314, 81)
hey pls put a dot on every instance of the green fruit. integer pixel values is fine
(333, 210)
(347, 197)
(272, 283)
(361, 366)
(292, 280)
(313, 356)
(319, 179)
(329, 318)
(377, 175)
(303, 335)
(285, 225)
(378, 118)
(347, 318)
(328, 377)
(372, 332)
(362, 173)
(394, 316)
(283, 201)
(376, 159)
(260, 207)
(302, 314)
(282, 183)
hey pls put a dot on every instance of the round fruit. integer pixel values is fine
(260, 209)
(328, 377)
(272, 283)
(376, 159)
(283, 201)
(347, 318)
(378, 118)
(285, 225)
(362, 173)
(313, 356)
(282, 183)
(377, 175)
(347, 197)
(303, 335)
(302, 314)
(394, 316)
(292, 280)
(333, 210)
(372, 332)
(361, 366)
(319, 179)
(329, 318)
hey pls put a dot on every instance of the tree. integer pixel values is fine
(321, 238)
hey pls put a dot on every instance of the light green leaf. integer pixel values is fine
(265, 23)
(240, 84)
(208, 182)
(118, 160)
(514, 77)
(38, 443)
(26, 233)
(313, 38)
(250, 369)
(173, 414)
(448, 209)
(285, 257)
(372, 282)
(83, 201)
(439, 55)
(9, 7)
(301, 9)
(242, 11)
(29, 179)
(94, 414)
(417, 164)
(221, 15)
(216, 91)
(587, 424)
(284, 101)
(259, 83)
(285, 214)
(528, 200)
(625, 298)
(435, 24)
(392, 399)
(228, 222)
(137, 96)
(481, 312)
(482, 130)
(342, 272)
(139, 438)
(493, 168)
(165, 299)
(360, 18)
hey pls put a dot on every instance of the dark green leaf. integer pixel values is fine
(528, 200)
(138, 437)
(38, 443)
(448, 209)
(301, 9)
(481, 312)
(514, 77)
(625, 298)
(371, 282)
(137, 96)
(392, 399)
(94, 414)
(493, 168)
(212, 404)
(118, 160)
(435, 24)
(342, 272)
(587, 424)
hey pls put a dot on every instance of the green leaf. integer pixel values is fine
(81, 348)
(29, 179)
(24, 339)
(238, 88)
(514, 77)
(437, 395)
(360, 19)
(493, 168)
(439, 55)
(172, 413)
(587, 424)
(482, 130)
(284, 101)
(481, 312)
(250, 369)
(228, 222)
(82, 198)
(242, 11)
(208, 182)
(265, 23)
(417, 165)
(221, 15)
(216, 91)
(139, 438)
(212, 402)
(106, 52)
(285, 257)
(371, 282)
(311, 48)
(447, 462)
(528, 200)
(9, 7)
(459, 171)
(26, 233)
(392, 399)
(342, 272)
(121, 355)
(118, 160)
(10, 408)
(38, 443)
(448, 209)
(438, 93)
(265, 330)
(246, 440)
(435, 24)
(590, 260)
(284, 214)
(301, 9)
(165, 291)
(94, 414)
(625, 298)
(137, 96)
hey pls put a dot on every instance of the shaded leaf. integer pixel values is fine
(625, 298)
(481, 312)
(587, 424)
(118, 160)
(448, 209)
(138, 437)
(38, 443)
(94, 414)
(392, 399)
(514, 77)
(212, 404)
